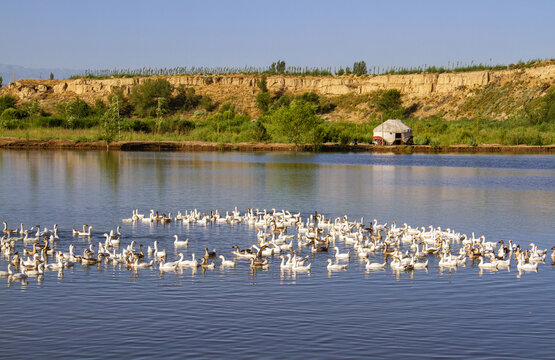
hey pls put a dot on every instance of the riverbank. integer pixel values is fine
(34, 144)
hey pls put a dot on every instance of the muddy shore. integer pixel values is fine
(33, 144)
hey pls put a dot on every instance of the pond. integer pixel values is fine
(110, 310)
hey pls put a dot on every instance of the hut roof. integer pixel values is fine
(393, 125)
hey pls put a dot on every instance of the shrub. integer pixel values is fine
(48, 122)
(262, 84)
(7, 101)
(206, 103)
(389, 100)
(144, 97)
(32, 108)
(146, 126)
(11, 124)
(542, 110)
(12, 114)
(263, 101)
(82, 123)
(100, 107)
(75, 109)
(125, 108)
(297, 122)
(186, 99)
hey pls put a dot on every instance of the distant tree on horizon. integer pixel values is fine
(359, 68)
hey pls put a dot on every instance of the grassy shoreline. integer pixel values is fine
(14, 143)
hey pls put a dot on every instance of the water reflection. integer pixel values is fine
(510, 200)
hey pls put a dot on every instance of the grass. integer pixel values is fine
(434, 131)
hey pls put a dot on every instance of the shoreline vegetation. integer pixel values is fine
(154, 110)
(7, 143)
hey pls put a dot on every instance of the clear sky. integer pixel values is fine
(166, 33)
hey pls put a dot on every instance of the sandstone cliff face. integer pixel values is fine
(425, 89)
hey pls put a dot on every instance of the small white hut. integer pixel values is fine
(392, 132)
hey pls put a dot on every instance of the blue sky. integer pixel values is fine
(119, 34)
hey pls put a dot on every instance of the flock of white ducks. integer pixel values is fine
(378, 246)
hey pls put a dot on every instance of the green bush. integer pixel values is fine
(82, 123)
(48, 122)
(12, 114)
(263, 101)
(125, 108)
(6, 102)
(180, 126)
(389, 100)
(144, 97)
(145, 126)
(75, 109)
(11, 124)
(542, 110)
(295, 123)
(207, 104)
(186, 99)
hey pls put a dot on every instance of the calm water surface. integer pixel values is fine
(106, 311)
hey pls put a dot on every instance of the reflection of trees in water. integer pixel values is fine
(160, 175)
(109, 164)
(33, 171)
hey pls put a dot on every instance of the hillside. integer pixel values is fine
(491, 94)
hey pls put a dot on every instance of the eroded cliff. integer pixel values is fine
(451, 94)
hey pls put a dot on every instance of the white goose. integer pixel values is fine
(487, 266)
(83, 233)
(22, 276)
(340, 256)
(301, 268)
(526, 266)
(169, 266)
(178, 243)
(6, 273)
(331, 266)
(189, 263)
(374, 265)
(226, 262)
(55, 266)
(285, 265)
(141, 265)
(159, 253)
